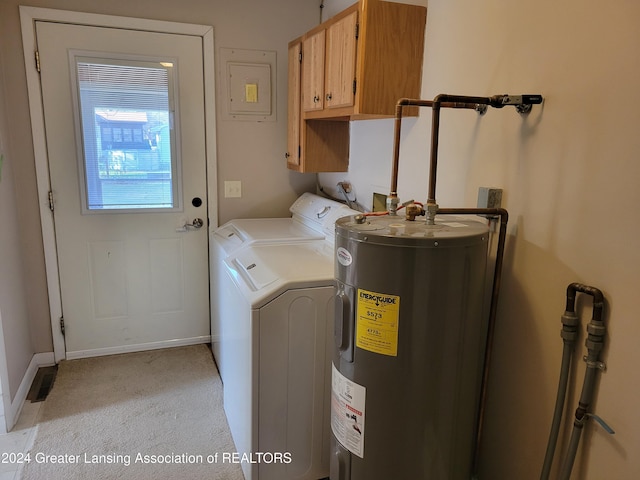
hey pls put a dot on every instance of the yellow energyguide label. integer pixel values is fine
(377, 316)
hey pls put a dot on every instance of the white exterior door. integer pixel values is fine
(125, 136)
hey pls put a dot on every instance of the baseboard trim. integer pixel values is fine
(38, 360)
(99, 352)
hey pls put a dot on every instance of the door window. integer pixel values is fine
(127, 152)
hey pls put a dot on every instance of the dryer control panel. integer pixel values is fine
(319, 213)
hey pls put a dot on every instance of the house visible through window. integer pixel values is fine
(128, 140)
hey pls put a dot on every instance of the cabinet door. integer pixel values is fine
(341, 62)
(313, 49)
(293, 121)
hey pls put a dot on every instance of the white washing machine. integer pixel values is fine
(312, 218)
(276, 331)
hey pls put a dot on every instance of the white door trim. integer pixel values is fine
(28, 17)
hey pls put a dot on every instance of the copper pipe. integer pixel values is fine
(451, 101)
(433, 161)
(445, 100)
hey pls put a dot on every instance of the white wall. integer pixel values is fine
(570, 177)
(16, 349)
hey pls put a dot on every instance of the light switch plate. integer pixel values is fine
(232, 189)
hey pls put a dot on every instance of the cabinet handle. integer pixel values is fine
(328, 96)
(316, 99)
(286, 155)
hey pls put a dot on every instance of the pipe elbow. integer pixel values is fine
(504, 215)
(580, 287)
(598, 298)
(437, 102)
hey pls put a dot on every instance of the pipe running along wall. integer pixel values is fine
(523, 104)
(493, 309)
(392, 199)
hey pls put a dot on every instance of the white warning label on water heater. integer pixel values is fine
(377, 316)
(347, 412)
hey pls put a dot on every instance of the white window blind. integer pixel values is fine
(128, 141)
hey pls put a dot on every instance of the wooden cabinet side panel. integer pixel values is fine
(293, 106)
(390, 57)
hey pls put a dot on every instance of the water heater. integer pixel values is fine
(410, 330)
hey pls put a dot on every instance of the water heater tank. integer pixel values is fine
(410, 330)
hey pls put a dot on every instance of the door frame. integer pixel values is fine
(28, 17)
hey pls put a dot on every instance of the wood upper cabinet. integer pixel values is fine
(355, 66)
(313, 67)
(340, 67)
(363, 60)
(307, 147)
(329, 65)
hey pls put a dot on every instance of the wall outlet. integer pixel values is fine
(232, 189)
(489, 197)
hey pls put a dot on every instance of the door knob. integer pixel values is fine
(183, 224)
(197, 223)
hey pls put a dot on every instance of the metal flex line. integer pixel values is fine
(569, 334)
(595, 343)
(523, 105)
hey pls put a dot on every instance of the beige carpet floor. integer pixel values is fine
(148, 415)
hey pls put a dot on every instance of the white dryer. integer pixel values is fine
(312, 218)
(276, 332)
